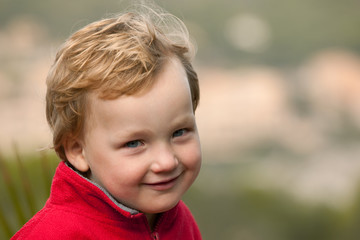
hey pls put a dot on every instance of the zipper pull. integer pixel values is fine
(155, 236)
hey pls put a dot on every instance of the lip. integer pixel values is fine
(164, 185)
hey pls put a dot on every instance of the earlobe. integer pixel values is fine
(74, 152)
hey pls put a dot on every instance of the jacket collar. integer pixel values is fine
(73, 191)
(118, 204)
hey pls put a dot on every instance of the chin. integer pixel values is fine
(159, 208)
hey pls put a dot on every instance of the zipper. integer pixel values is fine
(155, 234)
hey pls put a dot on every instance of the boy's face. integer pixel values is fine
(144, 149)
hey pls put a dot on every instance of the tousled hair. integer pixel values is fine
(112, 57)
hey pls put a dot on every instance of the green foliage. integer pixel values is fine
(24, 187)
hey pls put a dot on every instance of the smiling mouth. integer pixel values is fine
(164, 185)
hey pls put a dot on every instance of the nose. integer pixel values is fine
(164, 159)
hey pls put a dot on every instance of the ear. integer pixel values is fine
(74, 152)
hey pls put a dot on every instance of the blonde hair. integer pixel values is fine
(112, 57)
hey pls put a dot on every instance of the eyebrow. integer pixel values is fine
(132, 133)
(186, 118)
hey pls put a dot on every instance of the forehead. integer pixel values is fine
(170, 88)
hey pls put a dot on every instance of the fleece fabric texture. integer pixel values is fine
(78, 209)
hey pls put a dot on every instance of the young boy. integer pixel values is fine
(121, 98)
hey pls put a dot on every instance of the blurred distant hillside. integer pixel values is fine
(228, 32)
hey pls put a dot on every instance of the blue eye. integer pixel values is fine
(133, 144)
(179, 133)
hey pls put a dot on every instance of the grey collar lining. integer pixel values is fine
(118, 204)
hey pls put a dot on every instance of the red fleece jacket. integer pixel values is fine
(78, 209)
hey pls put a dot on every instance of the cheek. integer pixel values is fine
(191, 157)
(120, 179)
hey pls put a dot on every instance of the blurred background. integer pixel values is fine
(279, 116)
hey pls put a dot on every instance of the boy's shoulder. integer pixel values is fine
(52, 223)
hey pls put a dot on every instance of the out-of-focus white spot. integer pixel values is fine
(248, 32)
